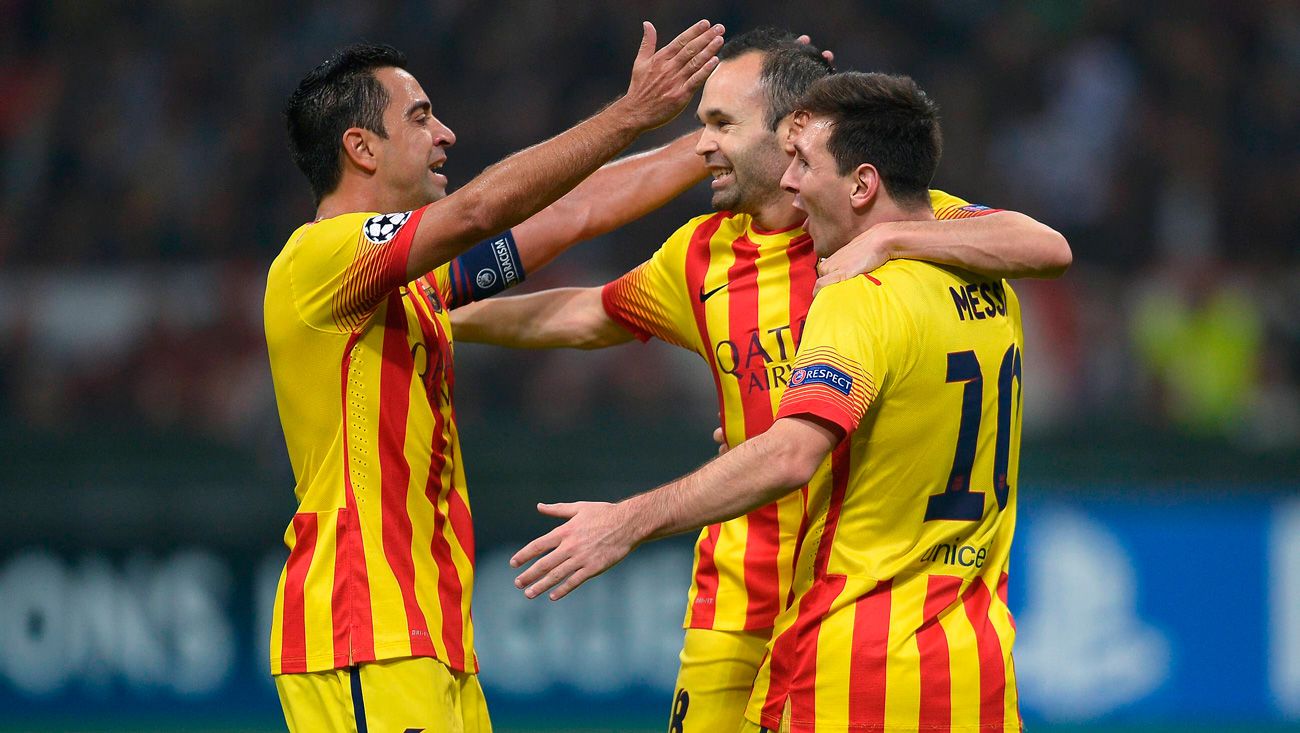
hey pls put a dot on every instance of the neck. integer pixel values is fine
(885, 210)
(778, 214)
(352, 196)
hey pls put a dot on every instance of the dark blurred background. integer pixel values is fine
(145, 186)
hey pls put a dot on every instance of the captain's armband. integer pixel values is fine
(484, 270)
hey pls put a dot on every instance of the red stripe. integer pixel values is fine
(812, 611)
(698, 255)
(993, 687)
(818, 599)
(1002, 593)
(354, 632)
(870, 658)
(449, 586)
(762, 533)
(704, 609)
(450, 590)
(840, 462)
(780, 674)
(803, 276)
(932, 642)
(350, 603)
(293, 637)
(395, 376)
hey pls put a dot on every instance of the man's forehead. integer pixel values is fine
(402, 87)
(735, 81)
(811, 133)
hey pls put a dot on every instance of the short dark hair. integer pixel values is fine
(789, 67)
(884, 120)
(340, 93)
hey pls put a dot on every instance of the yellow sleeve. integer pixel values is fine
(652, 300)
(843, 355)
(947, 206)
(342, 268)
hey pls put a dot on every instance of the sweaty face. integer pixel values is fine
(409, 159)
(744, 157)
(820, 191)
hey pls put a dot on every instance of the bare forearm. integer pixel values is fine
(562, 317)
(618, 193)
(519, 186)
(753, 474)
(1005, 244)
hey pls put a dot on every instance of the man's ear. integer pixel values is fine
(865, 186)
(358, 149)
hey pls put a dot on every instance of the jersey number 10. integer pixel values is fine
(958, 502)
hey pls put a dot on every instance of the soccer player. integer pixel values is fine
(735, 287)
(902, 415)
(372, 625)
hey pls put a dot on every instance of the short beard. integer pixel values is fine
(745, 197)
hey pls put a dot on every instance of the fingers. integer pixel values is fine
(698, 78)
(564, 511)
(649, 41)
(544, 564)
(543, 544)
(684, 39)
(575, 579)
(538, 583)
(829, 279)
(701, 42)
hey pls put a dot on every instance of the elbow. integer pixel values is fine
(795, 465)
(476, 215)
(1054, 249)
(591, 336)
(1061, 255)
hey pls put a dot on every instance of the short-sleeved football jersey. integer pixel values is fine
(737, 296)
(901, 621)
(381, 547)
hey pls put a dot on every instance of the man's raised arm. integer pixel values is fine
(618, 193)
(519, 186)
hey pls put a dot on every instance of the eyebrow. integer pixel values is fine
(423, 104)
(709, 114)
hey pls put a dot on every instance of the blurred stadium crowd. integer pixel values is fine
(145, 186)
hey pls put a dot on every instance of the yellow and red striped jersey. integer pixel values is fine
(900, 620)
(381, 549)
(737, 296)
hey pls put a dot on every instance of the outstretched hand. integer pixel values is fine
(594, 540)
(864, 253)
(663, 81)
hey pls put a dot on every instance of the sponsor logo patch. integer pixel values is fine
(485, 278)
(381, 228)
(822, 374)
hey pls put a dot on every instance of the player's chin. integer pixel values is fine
(436, 192)
(725, 200)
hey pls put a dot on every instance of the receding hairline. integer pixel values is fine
(757, 87)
